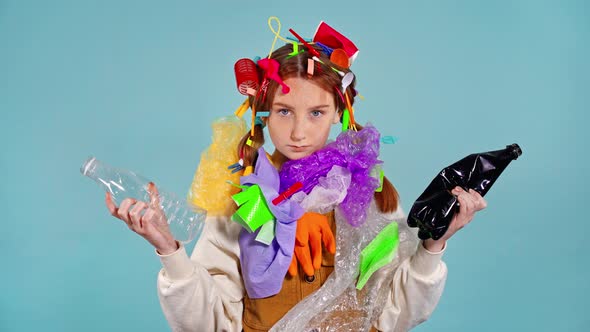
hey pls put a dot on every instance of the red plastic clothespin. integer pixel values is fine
(287, 193)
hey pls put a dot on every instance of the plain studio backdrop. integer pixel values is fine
(138, 83)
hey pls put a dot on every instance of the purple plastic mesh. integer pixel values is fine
(356, 151)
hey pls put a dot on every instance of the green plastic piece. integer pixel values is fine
(266, 233)
(345, 119)
(381, 174)
(252, 212)
(378, 253)
(296, 50)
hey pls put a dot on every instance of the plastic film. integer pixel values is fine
(209, 188)
(356, 151)
(433, 211)
(338, 305)
(330, 191)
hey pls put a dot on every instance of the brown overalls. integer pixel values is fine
(262, 314)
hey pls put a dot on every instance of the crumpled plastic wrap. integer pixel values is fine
(356, 151)
(331, 307)
(209, 188)
(338, 305)
(330, 191)
(435, 208)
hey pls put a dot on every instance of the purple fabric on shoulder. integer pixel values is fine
(264, 266)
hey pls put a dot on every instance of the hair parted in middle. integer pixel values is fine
(292, 66)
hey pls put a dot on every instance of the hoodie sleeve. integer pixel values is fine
(204, 292)
(415, 290)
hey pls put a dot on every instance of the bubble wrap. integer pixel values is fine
(356, 151)
(337, 305)
(330, 308)
(209, 188)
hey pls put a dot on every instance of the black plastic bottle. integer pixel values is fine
(434, 209)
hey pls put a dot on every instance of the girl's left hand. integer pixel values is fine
(470, 202)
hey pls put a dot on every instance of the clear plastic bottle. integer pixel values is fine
(184, 219)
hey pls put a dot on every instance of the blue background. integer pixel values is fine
(137, 84)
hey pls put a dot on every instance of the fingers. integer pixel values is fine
(135, 215)
(312, 230)
(154, 195)
(469, 202)
(123, 210)
(293, 267)
(304, 258)
(328, 237)
(480, 202)
(315, 243)
(110, 204)
(130, 211)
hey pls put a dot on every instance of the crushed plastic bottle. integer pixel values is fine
(434, 209)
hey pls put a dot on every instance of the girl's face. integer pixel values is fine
(299, 121)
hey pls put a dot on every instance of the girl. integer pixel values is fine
(239, 278)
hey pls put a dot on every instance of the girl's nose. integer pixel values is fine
(298, 131)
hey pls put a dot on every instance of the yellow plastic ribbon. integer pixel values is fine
(242, 108)
(351, 110)
(253, 121)
(275, 32)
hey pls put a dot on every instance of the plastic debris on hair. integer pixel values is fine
(310, 48)
(347, 80)
(271, 71)
(296, 50)
(340, 58)
(236, 167)
(328, 36)
(258, 121)
(242, 108)
(327, 50)
(310, 67)
(345, 120)
(246, 76)
(263, 90)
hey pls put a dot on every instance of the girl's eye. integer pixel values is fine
(316, 114)
(283, 111)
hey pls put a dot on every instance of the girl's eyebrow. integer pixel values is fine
(279, 104)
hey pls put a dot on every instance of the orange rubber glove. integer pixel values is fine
(312, 230)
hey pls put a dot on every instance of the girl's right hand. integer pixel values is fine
(151, 225)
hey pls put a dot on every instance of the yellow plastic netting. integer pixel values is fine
(209, 189)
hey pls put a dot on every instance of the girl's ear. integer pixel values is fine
(336, 117)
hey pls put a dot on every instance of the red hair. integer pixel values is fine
(329, 80)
